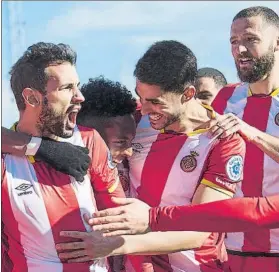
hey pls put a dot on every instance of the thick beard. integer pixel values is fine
(52, 123)
(261, 68)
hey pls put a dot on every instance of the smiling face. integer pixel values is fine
(119, 136)
(162, 108)
(61, 103)
(252, 44)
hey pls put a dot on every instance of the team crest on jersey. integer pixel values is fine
(234, 168)
(189, 162)
(277, 119)
(111, 164)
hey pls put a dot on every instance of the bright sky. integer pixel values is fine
(110, 37)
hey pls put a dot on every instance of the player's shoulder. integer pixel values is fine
(233, 144)
(230, 86)
(87, 131)
(235, 91)
(90, 136)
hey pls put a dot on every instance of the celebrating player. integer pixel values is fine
(173, 162)
(38, 201)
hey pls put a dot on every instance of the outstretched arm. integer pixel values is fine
(239, 214)
(64, 157)
(14, 142)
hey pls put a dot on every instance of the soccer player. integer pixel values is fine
(38, 201)
(174, 162)
(255, 47)
(252, 109)
(209, 82)
(110, 108)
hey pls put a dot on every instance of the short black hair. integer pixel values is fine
(105, 98)
(215, 74)
(268, 15)
(29, 70)
(168, 64)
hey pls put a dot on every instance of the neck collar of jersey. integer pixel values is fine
(272, 94)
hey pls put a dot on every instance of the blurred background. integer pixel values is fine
(110, 37)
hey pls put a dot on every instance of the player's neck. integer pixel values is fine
(27, 124)
(268, 84)
(195, 115)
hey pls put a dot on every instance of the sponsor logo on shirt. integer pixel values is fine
(137, 147)
(234, 168)
(229, 185)
(276, 119)
(23, 188)
(189, 162)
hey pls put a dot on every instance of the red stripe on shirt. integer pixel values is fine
(156, 169)
(62, 207)
(219, 104)
(12, 251)
(102, 177)
(256, 114)
(154, 178)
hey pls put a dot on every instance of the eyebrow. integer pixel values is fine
(204, 94)
(232, 38)
(152, 99)
(68, 84)
(148, 99)
(246, 34)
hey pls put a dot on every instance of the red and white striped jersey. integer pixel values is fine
(261, 173)
(38, 202)
(166, 169)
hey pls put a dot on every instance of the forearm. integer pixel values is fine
(267, 143)
(14, 142)
(239, 214)
(155, 243)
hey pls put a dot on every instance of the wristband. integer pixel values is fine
(33, 146)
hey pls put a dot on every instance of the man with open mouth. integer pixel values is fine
(37, 201)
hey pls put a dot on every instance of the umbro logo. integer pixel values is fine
(23, 188)
(137, 147)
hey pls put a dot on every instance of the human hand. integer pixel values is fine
(92, 246)
(65, 157)
(132, 217)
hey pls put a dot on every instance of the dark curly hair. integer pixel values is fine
(268, 15)
(105, 98)
(29, 70)
(168, 64)
(215, 74)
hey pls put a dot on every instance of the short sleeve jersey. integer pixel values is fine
(38, 202)
(166, 169)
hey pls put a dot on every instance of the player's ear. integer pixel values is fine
(189, 93)
(31, 97)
